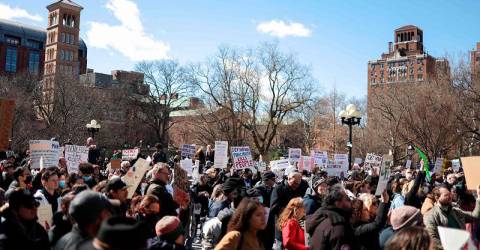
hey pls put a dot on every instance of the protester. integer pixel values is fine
(244, 227)
(159, 156)
(149, 213)
(314, 201)
(210, 154)
(93, 152)
(400, 218)
(265, 186)
(169, 235)
(411, 238)
(160, 178)
(18, 226)
(118, 190)
(7, 175)
(61, 223)
(293, 237)
(49, 195)
(23, 179)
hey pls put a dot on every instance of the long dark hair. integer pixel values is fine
(240, 220)
(410, 238)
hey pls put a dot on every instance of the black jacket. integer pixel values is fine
(72, 240)
(159, 244)
(367, 234)
(265, 191)
(21, 235)
(282, 194)
(412, 198)
(167, 205)
(330, 228)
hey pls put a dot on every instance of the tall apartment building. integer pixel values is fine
(475, 61)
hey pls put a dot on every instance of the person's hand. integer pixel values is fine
(384, 198)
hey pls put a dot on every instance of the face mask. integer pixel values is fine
(28, 179)
(61, 184)
(260, 199)
(87, 178)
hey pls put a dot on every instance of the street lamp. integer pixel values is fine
(350, 116)
(93, 127)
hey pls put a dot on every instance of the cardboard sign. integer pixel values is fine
(455, 239)
(456, 165)
(306, 163)
(187, 165)
(130, 154)
(74, 155)
(242, 157)
(438, 166)
(45, 149)
(294, 155)
(261, 166)
(180, 178)
(320, 157)
(221, 154)
(341, 159)
(7, 111)
(188, 151)
(135, 175)
(115, 163)
(471, 168)
(384, 175)
(45, 214)
(372, 161)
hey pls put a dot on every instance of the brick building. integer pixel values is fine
(475, 61)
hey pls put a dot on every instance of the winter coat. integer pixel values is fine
(265, 191)
(293, 236)
(397, 201)
(412, 198)
(18, 235)
(211, 231)
(159, 244)
(167, 205)
(438, 216)
(73, 239)
(330, 228)
(44, 198)
(428, 204)
(312, 202)
(235, 240)
(367, 233)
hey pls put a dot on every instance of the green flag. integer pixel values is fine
(426, 166)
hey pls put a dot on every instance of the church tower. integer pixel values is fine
(62, 45)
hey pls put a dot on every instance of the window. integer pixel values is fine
(34, 44)
(419, 77)
(34, 62)
(72, 39)
(62, 37)
(11, 62)
(478, 58)
(68, 20)
(11, 40)
(62, 54)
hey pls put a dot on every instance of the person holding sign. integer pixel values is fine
(18, 226)
(445, 215)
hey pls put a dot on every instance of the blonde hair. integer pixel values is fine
(367, 199)
(290, 211)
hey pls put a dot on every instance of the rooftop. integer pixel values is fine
(408, 27)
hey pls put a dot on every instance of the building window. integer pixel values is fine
(62, 37)
(34, 62)
(11, 40)
(62, 54)
(68, 20)
(11, 62)
(419, 77)
(34, 44)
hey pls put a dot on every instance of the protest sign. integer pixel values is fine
(45, 214)
(7, 110)
(372, 161)
(341, 159)
(456, 165)
(130, 154)
(135, 175)
(455, 239)
(358, 161)
(242, 157)
(180, 178)
(188, 151)
(334, 169)
(115, 163)
(261, 166)
(384, 175)
(279, 164)
(45, 149)
(221, 154)
(74, 155)
(196, 169)
(294, 155)
(187, 165)
(320, 157)
(471, 168)
(438, 166)
(306, 163)
(408, 164)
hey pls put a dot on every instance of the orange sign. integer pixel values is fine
(7, 110)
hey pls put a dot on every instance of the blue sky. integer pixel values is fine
(335, 38)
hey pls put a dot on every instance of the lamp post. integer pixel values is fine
(350, 116)
(93, 127)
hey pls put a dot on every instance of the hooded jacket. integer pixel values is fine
(330, 228)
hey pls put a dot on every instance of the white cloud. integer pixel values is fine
(282, 29)
(9, 13)
(128, 38)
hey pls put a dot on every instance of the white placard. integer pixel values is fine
(187, 165)
(384, 175)
(74, 155)
(294, 155)
(130, 154)
(279, 164)
(48, 150)
(372, 161)
(358, 161)
(188, 151)
(45, 214)
(341, 159)
(454, 239)
(438, 166)
(456, 165)
(221, 154)
(306, 163)
(135, 175)
(242, 157)
(408, 164)
(334, 169)
(320, 157)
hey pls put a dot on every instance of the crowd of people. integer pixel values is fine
(245, 209)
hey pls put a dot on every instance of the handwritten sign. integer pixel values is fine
(188, 151)
(130, 154)
(74, 155)
(242, 157)
(221, 154)
(135, 175)
(45, 214)
(438, 166)
(45, 149)
(334, 169)
(180, 178)
(320, 157)
(341, 159)
(187, 165)
(7, 111)
(306, 163)
(372, 161)
(456, 165)
(294, 155)
(383, 176)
